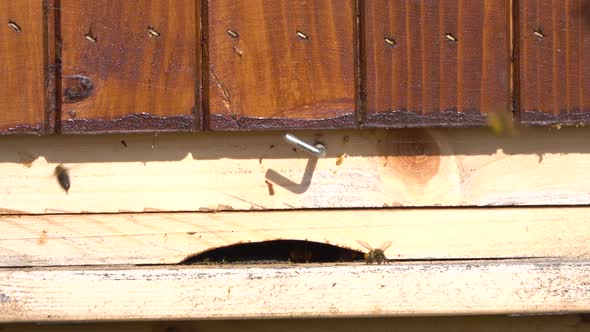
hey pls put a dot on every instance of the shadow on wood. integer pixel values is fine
(270, 145)
(561, 323)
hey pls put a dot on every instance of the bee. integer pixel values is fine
(62, 177)
(376, 255)
(340, 159)
(502, 123)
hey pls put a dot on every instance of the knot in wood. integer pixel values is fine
(412, 154)
(77, 88)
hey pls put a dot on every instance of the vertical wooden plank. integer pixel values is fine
(22, 59)
(555, 61)
(129, 65)
(436, 63)
(276, 64)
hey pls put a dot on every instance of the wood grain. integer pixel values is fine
(23, 60)
(294, 291)
(436, 63)
(536, 323)
(554, 57)
(281, 64)
(129, 66)
(169, 238)
(223, 171)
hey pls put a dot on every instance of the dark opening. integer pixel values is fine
(277, 251)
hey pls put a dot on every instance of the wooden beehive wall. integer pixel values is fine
(479, 223)
(95, 67)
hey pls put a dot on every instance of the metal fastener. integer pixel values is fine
(317, 150)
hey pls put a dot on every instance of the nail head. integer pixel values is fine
(14, 26)
(450, 37)
(153, 32)
(390, 41)
(232, 33)
(90, 38)
(302, 35)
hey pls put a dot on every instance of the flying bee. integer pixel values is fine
(62, 177)
(502, 123)
(376, 255)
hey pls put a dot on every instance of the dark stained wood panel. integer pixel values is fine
(435, 63)
(22, 59)
(129, 65)
(554, 61)
(278, 64)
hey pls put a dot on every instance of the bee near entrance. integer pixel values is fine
(375, 255)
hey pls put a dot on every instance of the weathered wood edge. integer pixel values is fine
(458, 288)
(169, 238)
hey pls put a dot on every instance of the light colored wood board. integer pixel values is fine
(168, 238)
(561, 323)
(221, 171)
(280, 291)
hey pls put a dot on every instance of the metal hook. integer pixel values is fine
(318, 150)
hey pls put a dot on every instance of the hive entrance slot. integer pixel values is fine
(276, 251)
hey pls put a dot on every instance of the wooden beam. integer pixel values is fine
(168, 238)
(224, 171)
(300, 291)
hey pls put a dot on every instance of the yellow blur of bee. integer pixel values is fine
(502, 123)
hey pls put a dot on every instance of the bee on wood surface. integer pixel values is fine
(62, 177)
(376, 255)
